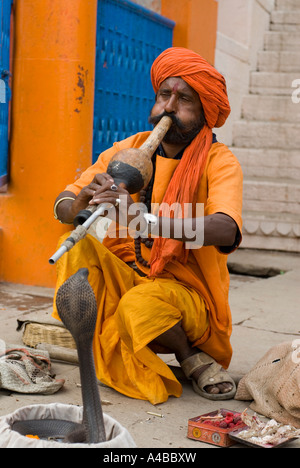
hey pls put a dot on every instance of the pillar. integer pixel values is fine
(52, 129)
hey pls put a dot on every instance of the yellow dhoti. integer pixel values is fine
(132, 312)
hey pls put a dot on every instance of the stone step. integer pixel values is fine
(285, 20)
(279, 244)
(281, 40)
(271, 231)
(275, 83)
(277, 190)
(251, 134)
(266, 140)
(275, 163)
(270, 108)
(287, 5)
(272, 61)
(271, 206)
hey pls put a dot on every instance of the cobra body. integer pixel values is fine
(77, 308)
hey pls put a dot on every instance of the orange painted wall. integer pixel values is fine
(52, 121)
(196, 24)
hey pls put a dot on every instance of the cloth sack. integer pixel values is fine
(26, 370)
(117, 436)
(274, 384)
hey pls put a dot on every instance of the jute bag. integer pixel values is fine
(27, 370)
(274, 384)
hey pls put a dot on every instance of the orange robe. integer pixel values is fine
(134, 310)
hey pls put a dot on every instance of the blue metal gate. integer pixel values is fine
(129, 38)
(5, 12)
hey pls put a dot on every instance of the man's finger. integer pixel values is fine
(101, 179)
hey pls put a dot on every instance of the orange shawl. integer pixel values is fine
(211, 88)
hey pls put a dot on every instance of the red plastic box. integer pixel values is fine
(204, 431)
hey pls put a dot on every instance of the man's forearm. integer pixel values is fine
(220, 230)
(216, 229)
(64, 207)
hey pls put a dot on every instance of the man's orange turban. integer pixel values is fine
(183, 188)
(200, 75)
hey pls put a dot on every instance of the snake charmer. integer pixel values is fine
(159, 293)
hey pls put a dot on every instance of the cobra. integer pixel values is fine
(77, 308)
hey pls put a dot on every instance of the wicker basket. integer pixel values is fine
(36, 333)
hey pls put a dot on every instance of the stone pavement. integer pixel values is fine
(265, 313)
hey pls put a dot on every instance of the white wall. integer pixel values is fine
(154, 5)
(240, 35)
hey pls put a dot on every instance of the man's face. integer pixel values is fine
(181, 102)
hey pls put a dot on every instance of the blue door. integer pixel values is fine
(5, 12)
(129, 38)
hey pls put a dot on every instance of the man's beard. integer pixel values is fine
(179, 134)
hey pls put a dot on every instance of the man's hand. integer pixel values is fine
(84, 198)
(68, 209)
(118, 197)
